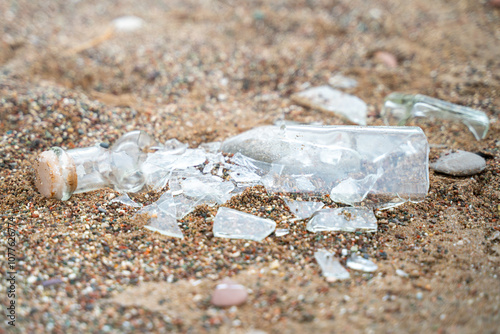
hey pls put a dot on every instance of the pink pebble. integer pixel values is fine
(387, 58)
(495, 3)
(228, 293)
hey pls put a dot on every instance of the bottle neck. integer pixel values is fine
(91, 164)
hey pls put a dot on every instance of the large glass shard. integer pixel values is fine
(331, 267)
(161, 222)
(303, 209)
(343, 219)
(400, 108)
(325, 98)
(359, 263)
(370, 166)
(234, 224)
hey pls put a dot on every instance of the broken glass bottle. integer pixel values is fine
(400, 108)
(61, 173)
(371, 166)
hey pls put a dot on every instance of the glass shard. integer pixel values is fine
(160, 165)
(325, 98)
(281, 232)
(370, 166)
(126, 200)
(303, 209)
(234, 224)
(188, 190)
(161, 222)
(352, 191)
(343, 219)
(359, 263)
(211, 147)
(331, 267)
(340, 81)
(400, 108)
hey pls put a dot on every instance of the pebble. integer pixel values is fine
(128, 23)
(459, 163)
(401, 273)
(386, 58)
(228, 293)
(52, 281)
(495, 3)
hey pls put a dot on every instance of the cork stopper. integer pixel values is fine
(55, 174)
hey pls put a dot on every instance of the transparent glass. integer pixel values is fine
(61, 173)
(375, 166)
(400, 108)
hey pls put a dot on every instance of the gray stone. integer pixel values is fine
(459, 163)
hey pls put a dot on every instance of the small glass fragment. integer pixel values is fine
(127, 23)
(400, 108)
(371, 166)
(351, 191)
(340, 81)
(189, 188)
(211, 147)
(161, 222)
(281, 232)
(234, 224)
(360, 263)
(343, 219)
(331, 267)
(303, 209)
(325, 98)
(61, 173)
(126, 200)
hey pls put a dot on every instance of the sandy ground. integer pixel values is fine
(202, 71)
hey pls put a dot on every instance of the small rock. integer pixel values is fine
(495, 3)
(459, 163)
(401, 273)
(386, 58)
(229, 293)
(52, 281)
(128, 23)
